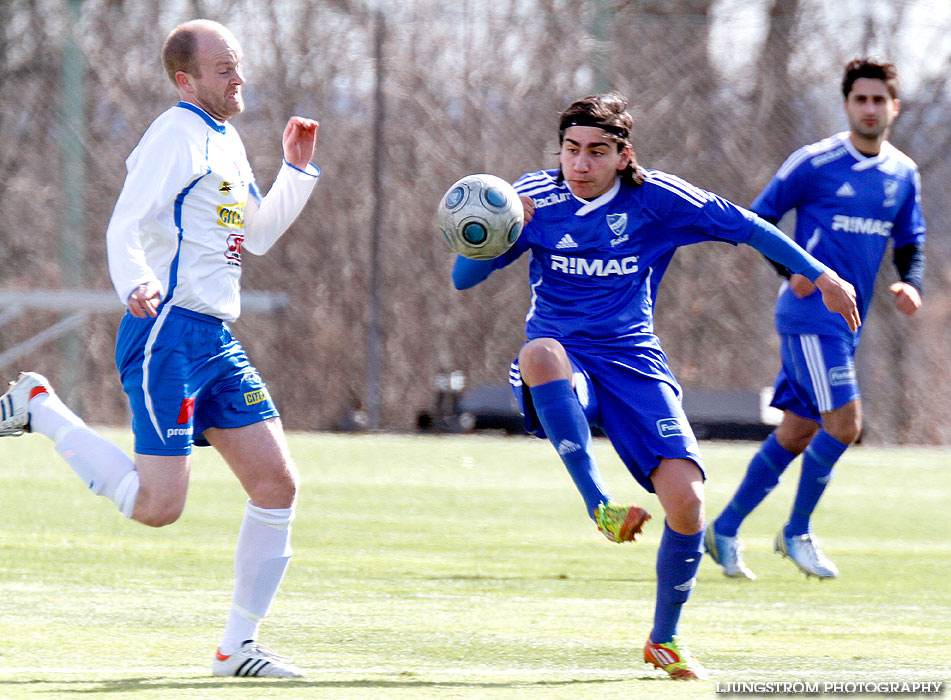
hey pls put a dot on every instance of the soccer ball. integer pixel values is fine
(480, 216)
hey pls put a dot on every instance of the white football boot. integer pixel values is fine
(254, 660)
(14, 413)
(805, 553)
(728, 553)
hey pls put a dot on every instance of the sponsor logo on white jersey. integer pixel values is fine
(566, 242)
(553, 198)
(566, 447)
(594, 267)
(860, 224)
(231, 215)
(845, 191)
(668, 427)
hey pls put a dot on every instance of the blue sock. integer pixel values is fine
(761, 477)
(817, 463)
(560, 414)
(678, 559)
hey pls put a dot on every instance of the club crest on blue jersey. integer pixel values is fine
(617, 223)
(891, 190)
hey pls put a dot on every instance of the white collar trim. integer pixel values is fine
(600, 201)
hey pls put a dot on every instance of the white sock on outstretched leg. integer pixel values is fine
(260, 560)
(102, 466)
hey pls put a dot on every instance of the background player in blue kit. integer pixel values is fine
(188, 208)
(853, 193)
(601, 231)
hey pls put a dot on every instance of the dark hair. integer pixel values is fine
(608, 112)
(870, 68)
(179, 51)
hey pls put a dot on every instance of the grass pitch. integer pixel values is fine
(462, 567)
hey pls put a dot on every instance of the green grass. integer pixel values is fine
(461, 567)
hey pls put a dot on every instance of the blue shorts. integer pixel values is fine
(184, 373)
(817, 376)
(641, 415)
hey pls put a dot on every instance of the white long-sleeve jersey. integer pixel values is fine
(190, 206)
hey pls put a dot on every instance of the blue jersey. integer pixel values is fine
(848, 206)
(596, 265)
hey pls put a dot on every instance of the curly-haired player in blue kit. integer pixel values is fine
(602, 231)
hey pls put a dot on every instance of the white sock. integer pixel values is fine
(48, 414)
(102, 466)
(260, 560)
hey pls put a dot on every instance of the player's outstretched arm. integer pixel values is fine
(468, 273)
(839, 297)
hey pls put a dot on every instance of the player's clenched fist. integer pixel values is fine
(300, 141)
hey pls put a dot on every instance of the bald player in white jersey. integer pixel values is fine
(187, 211)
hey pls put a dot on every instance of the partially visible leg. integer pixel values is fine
(795, 540)
(765, 469)
(832, 385)
(679, 486)
(150, 490)
(547, 371)
(259, 457)
(840, 427)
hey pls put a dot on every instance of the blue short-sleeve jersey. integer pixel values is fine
(848, 206)
(596, 265)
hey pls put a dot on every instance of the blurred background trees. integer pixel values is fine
(417, 93)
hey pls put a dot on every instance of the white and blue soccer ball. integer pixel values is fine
(480, 216)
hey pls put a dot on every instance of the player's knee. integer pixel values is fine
(846, 433)
(158, 508)
(276, 489)
(543, 360)
(159, 515)
(796, 436)
(687, 517)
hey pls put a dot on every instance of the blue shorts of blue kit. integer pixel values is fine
(184, 373)
(641, 415)
(817, 376)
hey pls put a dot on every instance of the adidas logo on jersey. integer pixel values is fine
(566, 242)
(845, 191)
(566, 447)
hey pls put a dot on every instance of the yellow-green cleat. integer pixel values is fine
(676, 659)
(620, 523)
